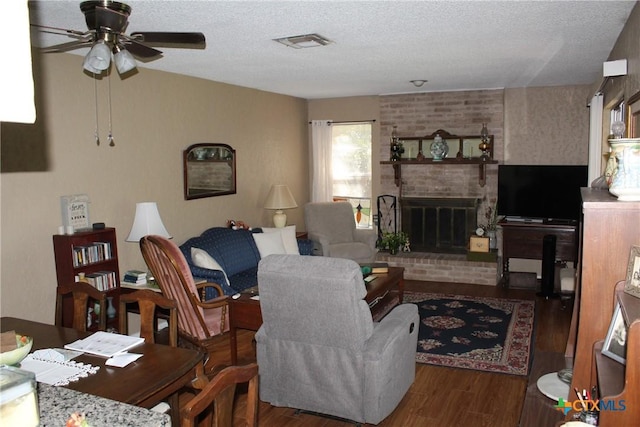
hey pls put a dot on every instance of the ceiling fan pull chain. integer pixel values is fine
(110, 136)
(95, 96)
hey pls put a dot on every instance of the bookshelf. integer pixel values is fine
(94, 255)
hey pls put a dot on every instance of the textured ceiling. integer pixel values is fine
(378, 46)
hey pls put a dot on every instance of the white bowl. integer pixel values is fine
(16, 355)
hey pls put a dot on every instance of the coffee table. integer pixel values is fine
(244, 312)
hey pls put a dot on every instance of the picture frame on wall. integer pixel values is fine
(615, 344)
(632, 283)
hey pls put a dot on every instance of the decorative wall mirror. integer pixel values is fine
(209, 170)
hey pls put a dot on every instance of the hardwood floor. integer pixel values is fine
(447, 397)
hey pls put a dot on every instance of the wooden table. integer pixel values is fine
(245, 313)
(156, 376)
(525, 240)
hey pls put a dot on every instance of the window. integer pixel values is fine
(351, 168)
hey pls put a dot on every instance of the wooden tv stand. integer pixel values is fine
(523, 239)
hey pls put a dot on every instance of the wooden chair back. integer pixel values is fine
(148, 301)
(82, 293)
(199, 322)
(221, 392)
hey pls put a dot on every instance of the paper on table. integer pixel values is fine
(123, 359)
(105, 344)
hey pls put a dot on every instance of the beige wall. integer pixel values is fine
(155, 116)
(547, 125)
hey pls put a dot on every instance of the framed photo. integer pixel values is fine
(615, 344)
(632, 284)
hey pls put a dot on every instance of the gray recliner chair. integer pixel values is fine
(319, 350)
(332, 228)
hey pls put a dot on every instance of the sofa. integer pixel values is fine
(230, 257)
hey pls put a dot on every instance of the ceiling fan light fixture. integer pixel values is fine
(98, 58)
(124, 60)
(304, 41)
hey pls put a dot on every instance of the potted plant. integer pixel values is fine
(392, 242)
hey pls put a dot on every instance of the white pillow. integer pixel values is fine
(289, 240)
(269, 243)
(201, 258)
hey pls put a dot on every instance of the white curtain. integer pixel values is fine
(595, 138)
(321, 176)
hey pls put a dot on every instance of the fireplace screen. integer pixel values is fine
(440, 225)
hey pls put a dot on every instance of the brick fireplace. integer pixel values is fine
(459, 113)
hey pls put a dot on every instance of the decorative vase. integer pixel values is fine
(111, 310)
(439, 148)
(623, 169)
(493, 239)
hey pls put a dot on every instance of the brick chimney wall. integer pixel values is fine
(459, 113)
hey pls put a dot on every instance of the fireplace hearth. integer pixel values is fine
(439, 225)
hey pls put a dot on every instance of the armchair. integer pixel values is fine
(332, 228)
(318, 348)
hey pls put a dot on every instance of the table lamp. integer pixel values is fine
(280, 198)
(147, 221)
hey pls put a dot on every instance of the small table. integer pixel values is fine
(245, 313)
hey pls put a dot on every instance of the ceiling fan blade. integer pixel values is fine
(65, 47)
(138, 49)
(173, 40)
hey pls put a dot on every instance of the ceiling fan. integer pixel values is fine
(106, 22)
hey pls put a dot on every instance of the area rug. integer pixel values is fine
(480, 333)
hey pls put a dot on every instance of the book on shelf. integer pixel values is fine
(102, 280)
(376, 267)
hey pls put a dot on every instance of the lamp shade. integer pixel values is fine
(124, 60)
(147, 221)
(280, 198)
(98, 58)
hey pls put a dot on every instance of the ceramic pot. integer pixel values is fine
(623, 169)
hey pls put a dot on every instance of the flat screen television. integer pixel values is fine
(541, 192)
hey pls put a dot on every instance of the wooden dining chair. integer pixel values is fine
(221, 392)
(200, 323)
(148, 301)
(82, 293)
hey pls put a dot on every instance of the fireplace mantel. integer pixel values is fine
(397, 167)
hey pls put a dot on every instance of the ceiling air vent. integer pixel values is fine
(304, 41)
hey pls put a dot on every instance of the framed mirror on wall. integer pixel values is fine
(209, 170)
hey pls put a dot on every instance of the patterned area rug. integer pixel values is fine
(484, 334)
